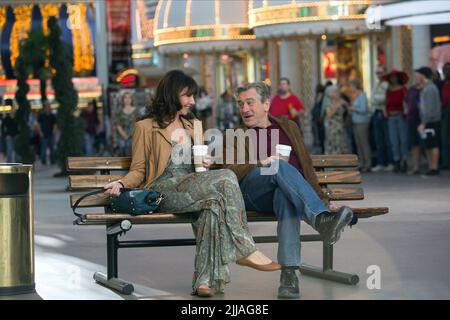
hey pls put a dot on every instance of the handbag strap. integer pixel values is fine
(84, 196)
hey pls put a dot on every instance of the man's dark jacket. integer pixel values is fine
(295, 137)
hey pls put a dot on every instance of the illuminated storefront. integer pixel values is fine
(428, 23)
(317, 41)
(145, 56)
(310, 42)
(77, 22)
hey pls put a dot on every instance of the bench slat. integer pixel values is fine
(339, 177)
(363, 212)
(97, 200)
(123, 163)
(98, 163)
(335, 161)
(96, 181)
(93, 181)
(190, 217)
(344, 193)
(100, 200)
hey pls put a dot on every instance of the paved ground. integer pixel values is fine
(410, 245)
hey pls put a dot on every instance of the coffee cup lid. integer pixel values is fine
(199, 146)
(283, 147)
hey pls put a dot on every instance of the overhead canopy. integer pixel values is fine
(199, 25)
(409, 12)
(282, 18)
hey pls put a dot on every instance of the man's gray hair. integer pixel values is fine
(261, 88)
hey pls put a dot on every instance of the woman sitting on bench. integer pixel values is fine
(221, 230)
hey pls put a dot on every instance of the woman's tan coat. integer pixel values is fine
(150, 153)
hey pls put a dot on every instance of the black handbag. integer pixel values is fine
(130, 201)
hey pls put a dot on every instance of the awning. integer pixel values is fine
(155, 72)
(408, 13)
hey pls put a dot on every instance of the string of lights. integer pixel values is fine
(2, 22)
(20, 29)
(83, 51)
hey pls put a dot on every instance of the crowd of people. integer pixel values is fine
(401, 120)
(393, 127)
(43, 131)
(390, 130)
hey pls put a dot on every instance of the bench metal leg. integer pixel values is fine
(112, 247)
(111, 280)
(327, 271)
(114, 283)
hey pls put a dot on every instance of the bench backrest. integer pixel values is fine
(333, 171)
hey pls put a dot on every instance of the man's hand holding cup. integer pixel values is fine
(283, 151)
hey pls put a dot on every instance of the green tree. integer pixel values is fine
(22, 140)
(71, 127)
(33, 53)
(37, 46)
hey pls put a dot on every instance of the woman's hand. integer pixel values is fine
(207, 161)
(270, 160)
(113, 188)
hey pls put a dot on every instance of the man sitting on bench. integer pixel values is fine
(292, 191)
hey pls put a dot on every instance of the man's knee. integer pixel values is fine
(279, 169)
(259, 177)
(285, 170)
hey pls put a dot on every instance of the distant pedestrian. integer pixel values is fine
(412, 101)
(124, 124)
(430, 118)
(335, 134)
(359, 110)
(445, 122)
(348, 123)
(227, 113)
(90, 117)
(318, 118)
(47, 128)
(204, 106)
(10, 129)
(380, 124)
(285, 103)
(398, 130)
(35, 140)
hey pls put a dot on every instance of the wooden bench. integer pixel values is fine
(334, 172)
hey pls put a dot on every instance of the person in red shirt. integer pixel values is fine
(395, 113)
(285, 103)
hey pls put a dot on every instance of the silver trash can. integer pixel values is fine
(16, 229)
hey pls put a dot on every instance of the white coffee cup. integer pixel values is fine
(283, 151)
(200, 151)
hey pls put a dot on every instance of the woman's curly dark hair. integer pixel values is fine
(166, 102)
